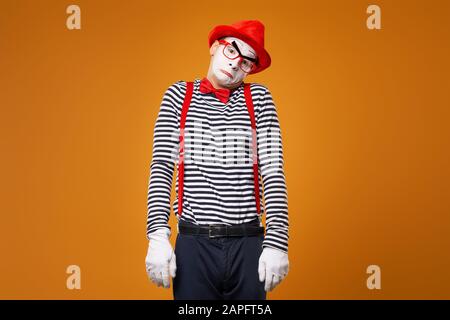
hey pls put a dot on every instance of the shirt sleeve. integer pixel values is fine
(271, 166)
(165, 150)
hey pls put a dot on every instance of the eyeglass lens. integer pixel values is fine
(231, 53)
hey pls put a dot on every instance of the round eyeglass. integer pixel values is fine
(231, 51)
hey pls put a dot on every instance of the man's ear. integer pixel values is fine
(213, 48)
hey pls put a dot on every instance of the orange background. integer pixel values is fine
(365, 126)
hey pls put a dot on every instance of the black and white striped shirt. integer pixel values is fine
(218, 169)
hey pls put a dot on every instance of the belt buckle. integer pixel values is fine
(211, 228)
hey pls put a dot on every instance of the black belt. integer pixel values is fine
(215, 231)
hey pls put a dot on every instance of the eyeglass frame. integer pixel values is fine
(240, 55)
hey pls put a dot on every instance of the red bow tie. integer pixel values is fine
(221, 94)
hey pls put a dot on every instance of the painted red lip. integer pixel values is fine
(227, 73)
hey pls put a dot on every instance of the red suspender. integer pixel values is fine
(251, 111)
(186, 104)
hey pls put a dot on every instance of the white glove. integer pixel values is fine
(273, 267)
(160, 261)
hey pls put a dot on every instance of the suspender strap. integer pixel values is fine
(251, 112)
(186, 103)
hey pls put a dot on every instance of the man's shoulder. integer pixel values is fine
(179, 84)
(259, 92)
(258, 89)
(176, 89)
(258, 85)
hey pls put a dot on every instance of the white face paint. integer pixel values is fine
(221, 65)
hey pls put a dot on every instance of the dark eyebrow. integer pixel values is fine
(239, 51)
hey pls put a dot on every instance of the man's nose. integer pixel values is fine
(234, 64)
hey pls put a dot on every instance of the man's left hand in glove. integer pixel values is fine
(273, 267)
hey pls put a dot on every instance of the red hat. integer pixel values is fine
(249, 31)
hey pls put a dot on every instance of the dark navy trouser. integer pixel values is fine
(224, 268)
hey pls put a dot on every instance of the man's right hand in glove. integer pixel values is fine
(160, 261)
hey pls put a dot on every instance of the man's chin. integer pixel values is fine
(225, 81)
